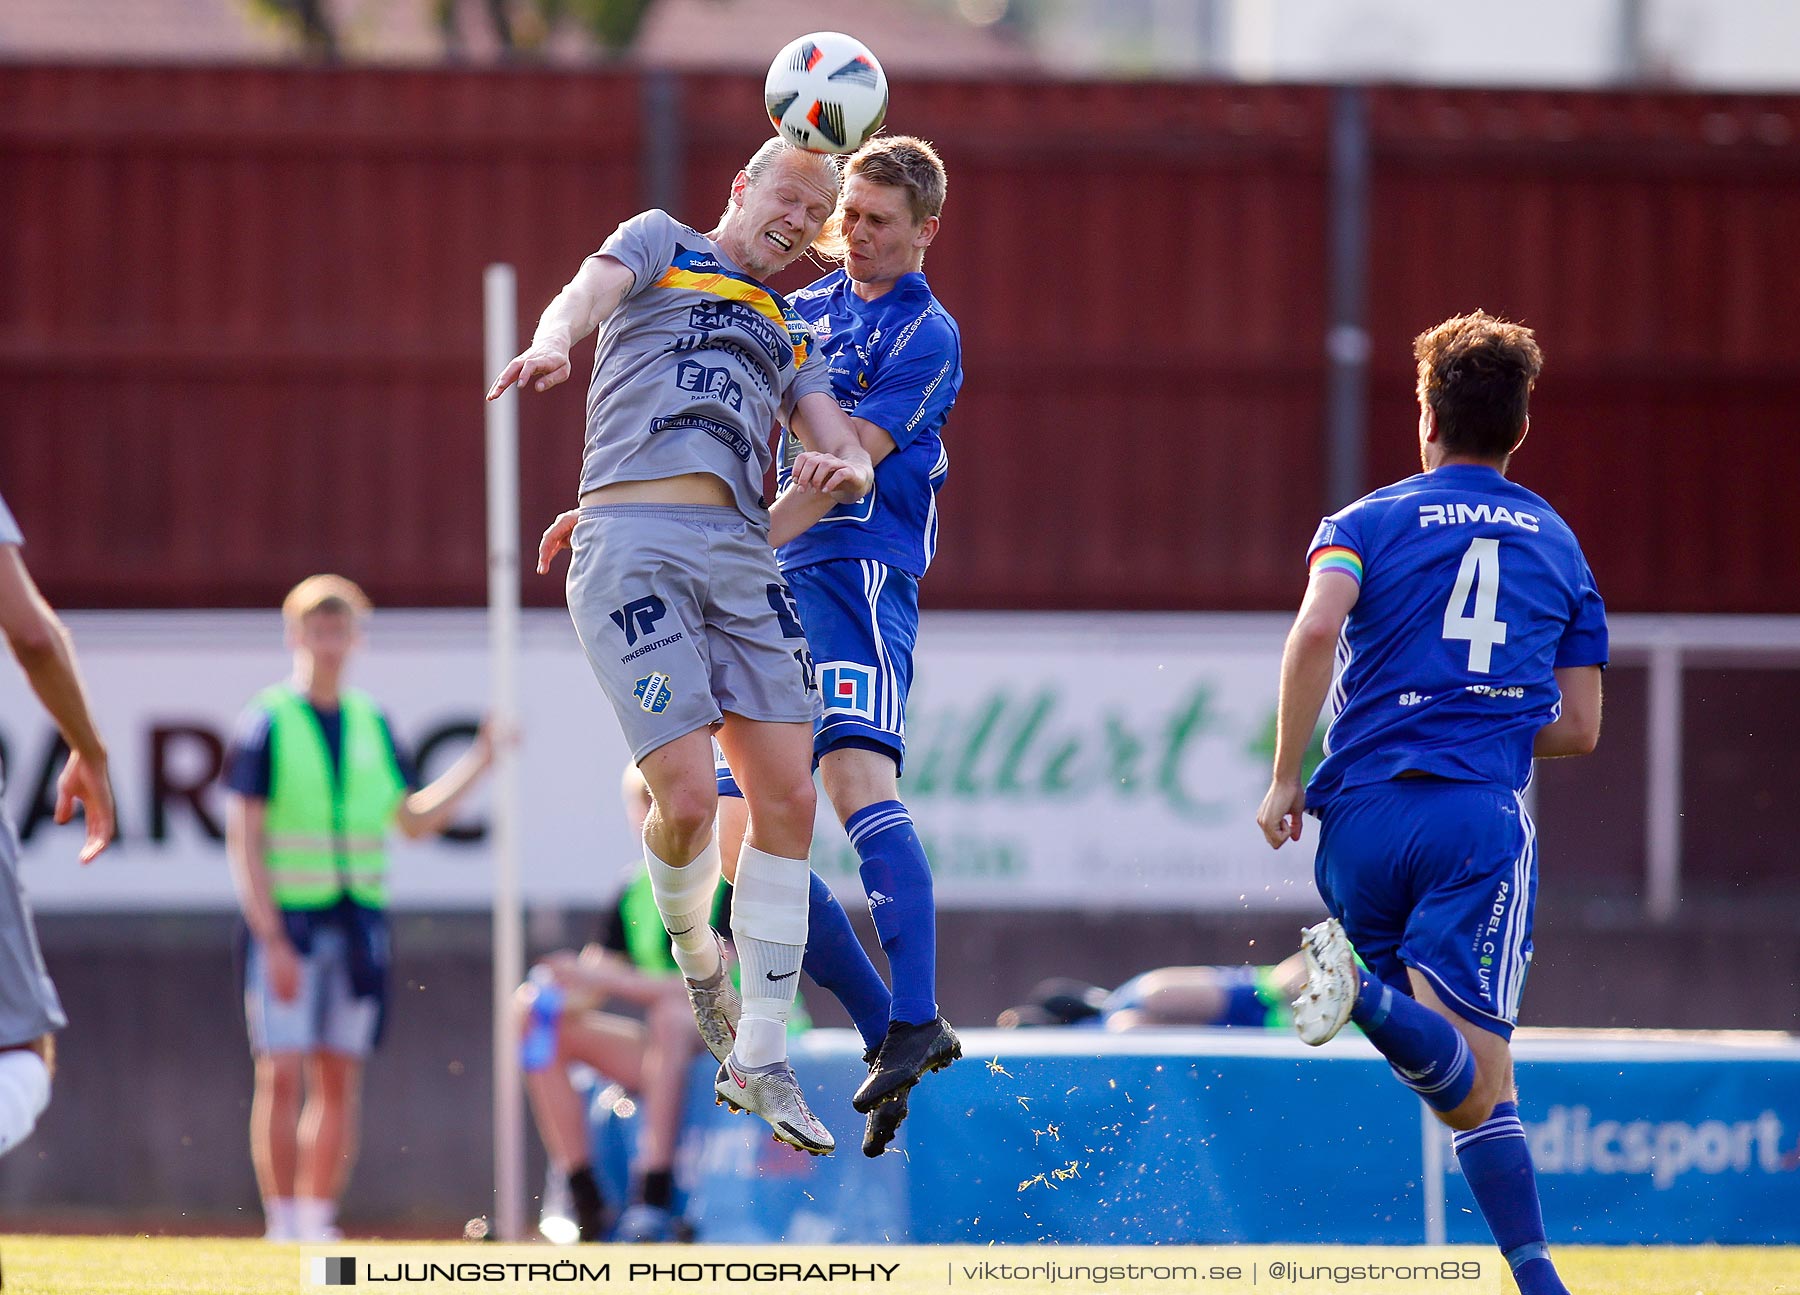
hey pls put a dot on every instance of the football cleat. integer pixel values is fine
(716, 1007)
(773, 1093)
(1324, 1005)
(907, 1052)
(883, 1123)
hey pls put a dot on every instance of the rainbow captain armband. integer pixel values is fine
(1335, 557)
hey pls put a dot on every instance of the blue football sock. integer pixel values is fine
(1427, 1052)
(1496, 1163)
(838, 964)
(897, 880)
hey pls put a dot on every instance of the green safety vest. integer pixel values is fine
(327, 834)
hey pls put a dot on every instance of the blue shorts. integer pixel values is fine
(862, 621)
(1441, 877)
(328, 1014)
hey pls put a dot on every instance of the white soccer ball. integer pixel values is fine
(826, 93)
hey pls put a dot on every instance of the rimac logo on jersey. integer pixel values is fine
(639, 616)
(1463, 514)
(653, 692)
(848, 689)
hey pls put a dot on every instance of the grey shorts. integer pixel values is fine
(325, 1016)
(684, 615)
(28, 1002)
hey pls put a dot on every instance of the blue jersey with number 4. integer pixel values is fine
(1473, 593)
(895, 361)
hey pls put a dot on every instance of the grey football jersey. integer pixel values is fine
(695, 368)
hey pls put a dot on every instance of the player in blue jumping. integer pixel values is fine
(896, 366)
(1469, 638)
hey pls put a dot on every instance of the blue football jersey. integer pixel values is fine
(1473, 593)
(897, 362)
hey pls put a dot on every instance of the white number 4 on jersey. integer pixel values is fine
(1481, 629)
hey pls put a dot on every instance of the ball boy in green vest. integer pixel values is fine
(316, 780)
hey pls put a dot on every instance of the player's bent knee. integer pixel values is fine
(688, 811)
(791, 804)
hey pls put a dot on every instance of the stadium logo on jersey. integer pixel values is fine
(848, 688)
(653, 693)
(639, 616)
(1463, 514)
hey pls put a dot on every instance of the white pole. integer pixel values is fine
(1662, 810)
(500, 304)
(1431, 1135)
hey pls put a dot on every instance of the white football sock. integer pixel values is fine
(684, 897)
(278, 1219)
(768, 925)
(314, 1218)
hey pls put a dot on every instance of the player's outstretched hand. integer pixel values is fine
(559, 535)
(539, 368)
(845, 481)
(86, 781)
(1279, 817)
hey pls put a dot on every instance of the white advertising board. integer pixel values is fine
(1096, 762)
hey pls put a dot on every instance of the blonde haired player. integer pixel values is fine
(686, 620)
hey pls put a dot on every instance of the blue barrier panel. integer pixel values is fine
(1657, 1142)
(1136, 1140)
(1219, 1136)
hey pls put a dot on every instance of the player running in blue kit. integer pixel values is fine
(1469, 637)
(674, 591)
(896, 367)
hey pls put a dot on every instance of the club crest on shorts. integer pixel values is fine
(653, 692)
(848, 688)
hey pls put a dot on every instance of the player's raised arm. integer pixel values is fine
(586, 302)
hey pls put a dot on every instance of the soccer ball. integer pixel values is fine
(826, 93)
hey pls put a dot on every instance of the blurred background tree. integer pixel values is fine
(522, 28)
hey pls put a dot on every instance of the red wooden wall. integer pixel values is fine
(240, 324)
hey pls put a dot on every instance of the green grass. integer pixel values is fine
(37, 1265)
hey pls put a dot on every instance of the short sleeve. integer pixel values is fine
(1337, 546)
(249, 770)
(403, 758)
(645, 245)
(917, 383)
(814, 377)
(1585, 641)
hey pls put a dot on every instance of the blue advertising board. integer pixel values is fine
(1203, 1137)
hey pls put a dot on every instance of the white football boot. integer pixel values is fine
(774, 1093)
(1324, 1005)
(716, 1007)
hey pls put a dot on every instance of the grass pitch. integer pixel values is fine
(41, 1265)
